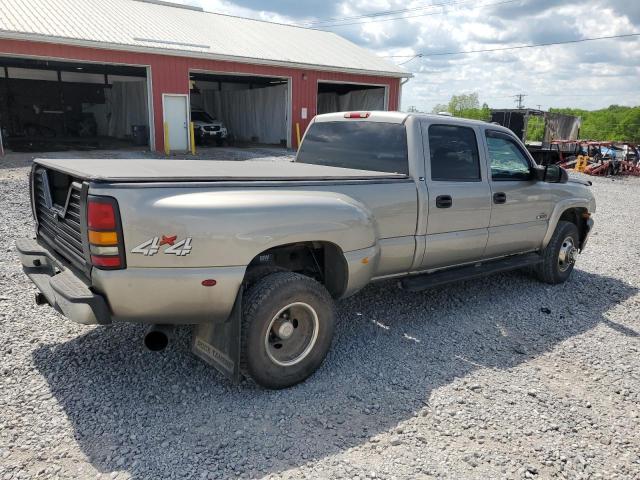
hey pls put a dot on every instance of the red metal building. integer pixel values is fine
(195, 54)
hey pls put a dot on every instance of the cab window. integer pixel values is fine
(360, 145)
(508, 161)
(453, 154)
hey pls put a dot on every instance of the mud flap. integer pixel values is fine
(219, 344)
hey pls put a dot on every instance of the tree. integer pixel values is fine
(460, 103)
(465, 106)
(440, 108)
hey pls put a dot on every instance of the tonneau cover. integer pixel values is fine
(161, 170)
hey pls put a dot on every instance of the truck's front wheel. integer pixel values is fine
(559, 257)
(287, 329)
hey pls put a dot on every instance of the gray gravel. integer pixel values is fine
(499, 378)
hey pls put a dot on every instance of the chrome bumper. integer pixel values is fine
(61, 287)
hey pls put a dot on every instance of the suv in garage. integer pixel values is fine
(208, 128)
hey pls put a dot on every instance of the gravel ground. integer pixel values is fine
(499, 378)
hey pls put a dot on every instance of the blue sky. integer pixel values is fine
(587, 75)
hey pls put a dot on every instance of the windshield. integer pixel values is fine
(376, 146)
(201, 117)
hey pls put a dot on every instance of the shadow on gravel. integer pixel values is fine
(152, 414)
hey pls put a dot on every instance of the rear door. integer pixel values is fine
(459, 200)
(520, 204)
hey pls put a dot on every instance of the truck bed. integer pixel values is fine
(161, 170)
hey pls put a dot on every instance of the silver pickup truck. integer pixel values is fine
(254, 254)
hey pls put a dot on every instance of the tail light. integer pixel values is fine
(357, 115)
(106, 244)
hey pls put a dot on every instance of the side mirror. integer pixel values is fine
(550, 174)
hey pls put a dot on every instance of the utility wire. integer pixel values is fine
(387, 13)
(370, 18)
(518, 47)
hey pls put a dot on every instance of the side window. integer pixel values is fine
(454, 154)
(508, 162)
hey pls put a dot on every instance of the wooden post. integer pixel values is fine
(298, 134)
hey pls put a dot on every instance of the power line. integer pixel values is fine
(384, 13)
(518, 47)
(370, 18)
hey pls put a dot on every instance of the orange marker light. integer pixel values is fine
(365, 261)
(103, 238)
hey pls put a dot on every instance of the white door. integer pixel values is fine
(176, 117)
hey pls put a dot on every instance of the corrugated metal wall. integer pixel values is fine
(170, 74)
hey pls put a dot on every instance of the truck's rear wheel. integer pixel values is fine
(287, 329)
(559, 257)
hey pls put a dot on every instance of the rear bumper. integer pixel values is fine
(61, 287)
(174, 296)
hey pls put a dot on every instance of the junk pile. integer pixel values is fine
(592, 157)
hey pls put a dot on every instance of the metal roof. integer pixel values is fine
(155, 27)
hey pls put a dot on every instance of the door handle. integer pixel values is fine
(444, 201)
(500, 197)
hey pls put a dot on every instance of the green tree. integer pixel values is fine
(535, 129)
(440, 108)
(461, 103)
(615, 123)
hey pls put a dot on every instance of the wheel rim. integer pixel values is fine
(292, 334)
(567, 255)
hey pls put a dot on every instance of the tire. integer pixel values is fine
(256, 273)
(297, 306)
(555, 268)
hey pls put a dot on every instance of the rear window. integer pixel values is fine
(381, 147)
(454, 154)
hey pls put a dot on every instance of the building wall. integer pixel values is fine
(170, 74)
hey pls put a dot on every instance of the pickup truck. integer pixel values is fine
(254, 254)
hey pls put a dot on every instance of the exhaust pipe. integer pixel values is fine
(157, 337)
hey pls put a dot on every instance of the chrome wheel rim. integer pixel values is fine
(292, 334)
(567, 255)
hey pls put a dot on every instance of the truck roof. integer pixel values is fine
(399, 117)
(160, 170)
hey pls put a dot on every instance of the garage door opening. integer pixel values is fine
(346, 97)
(251, 110)
(48, 106)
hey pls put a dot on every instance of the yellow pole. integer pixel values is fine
(167, 147)
(192, 137)
(298, 133)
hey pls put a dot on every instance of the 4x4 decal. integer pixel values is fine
(151, 247)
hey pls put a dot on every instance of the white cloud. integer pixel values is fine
(587, 75)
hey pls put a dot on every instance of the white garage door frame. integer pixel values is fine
(150, 112)
(363, 84)
(242, 74)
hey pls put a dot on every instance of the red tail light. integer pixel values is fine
(105, 262)
(105, 233)
(101, 214)
(357, 115)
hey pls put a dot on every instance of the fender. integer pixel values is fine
(560, 208)
(229, 227)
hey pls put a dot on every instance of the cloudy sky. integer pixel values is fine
(588, 75)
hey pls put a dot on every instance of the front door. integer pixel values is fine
(176, 120)
(521, 205)
(459, 197)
